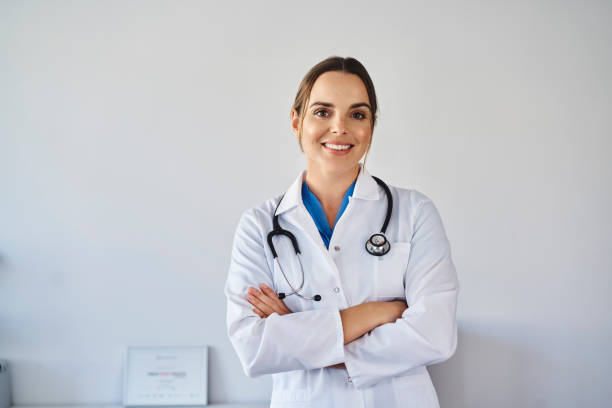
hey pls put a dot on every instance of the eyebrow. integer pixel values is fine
(331, 105)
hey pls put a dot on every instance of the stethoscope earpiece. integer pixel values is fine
(316, 298)
(378, 245)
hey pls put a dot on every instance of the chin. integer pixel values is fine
(338, 166)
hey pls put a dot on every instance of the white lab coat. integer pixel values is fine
(387, 366)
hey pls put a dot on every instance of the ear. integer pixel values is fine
(295, 121)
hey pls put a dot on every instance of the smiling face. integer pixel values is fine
(337, 126)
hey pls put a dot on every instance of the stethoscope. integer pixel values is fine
(377, 245)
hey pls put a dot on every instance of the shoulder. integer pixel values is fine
(422, 213)
(416, 208)
(260, 216)
(409, 200)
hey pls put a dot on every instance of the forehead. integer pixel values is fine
(338, 88)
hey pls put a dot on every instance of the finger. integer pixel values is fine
(262, 307)
(259, 313)
(270, 293)
(268, 296)
(256, 301)
(270, 302)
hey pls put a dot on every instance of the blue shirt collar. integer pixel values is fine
(314, 207)
(366, 188)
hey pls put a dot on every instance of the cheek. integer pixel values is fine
(309, 140)
(312, 133)
(364, 135)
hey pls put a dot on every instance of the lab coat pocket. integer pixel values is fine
(390, 271)
(289, 389)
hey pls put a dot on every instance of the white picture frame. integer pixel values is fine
(165, 376)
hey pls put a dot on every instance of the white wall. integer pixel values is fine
(133, 134)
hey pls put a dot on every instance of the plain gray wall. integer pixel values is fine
(133, 135)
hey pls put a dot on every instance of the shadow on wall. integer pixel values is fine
(2, 262)
(491, 367)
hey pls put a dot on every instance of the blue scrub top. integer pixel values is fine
(312, 204)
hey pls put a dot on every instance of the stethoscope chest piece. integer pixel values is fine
(378, 245)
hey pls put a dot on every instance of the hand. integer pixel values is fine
(266, 302)
(363, 318)
(394, 310)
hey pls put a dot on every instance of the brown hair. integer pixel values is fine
(348, 65)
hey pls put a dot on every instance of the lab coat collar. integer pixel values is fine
(366, 188)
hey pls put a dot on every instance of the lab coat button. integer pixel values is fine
(336, 289)
(336, 248)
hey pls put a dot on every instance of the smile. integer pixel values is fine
(337, 147)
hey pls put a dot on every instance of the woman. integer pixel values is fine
(339, 323)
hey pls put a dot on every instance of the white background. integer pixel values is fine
(133, 134)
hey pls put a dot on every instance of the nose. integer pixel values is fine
(339, 126)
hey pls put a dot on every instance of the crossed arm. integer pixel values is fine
(356, 320)
(271, 338)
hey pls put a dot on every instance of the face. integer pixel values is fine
(337, 126)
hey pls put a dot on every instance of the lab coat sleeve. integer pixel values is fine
(427, 331)
(297, 341)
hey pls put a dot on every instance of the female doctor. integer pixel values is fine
(342, 288)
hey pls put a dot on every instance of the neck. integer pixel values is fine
(330, 187)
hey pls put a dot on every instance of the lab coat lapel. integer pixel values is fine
(366, 190)
(292, 207)
(301, 217)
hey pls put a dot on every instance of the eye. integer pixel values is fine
(360, 113)
(320, 110)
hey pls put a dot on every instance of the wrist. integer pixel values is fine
(381, 311)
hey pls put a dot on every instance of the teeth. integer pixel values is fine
(337, 147)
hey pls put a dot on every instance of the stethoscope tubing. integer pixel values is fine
(370, 248)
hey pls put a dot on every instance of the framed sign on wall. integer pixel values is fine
(162, 376)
